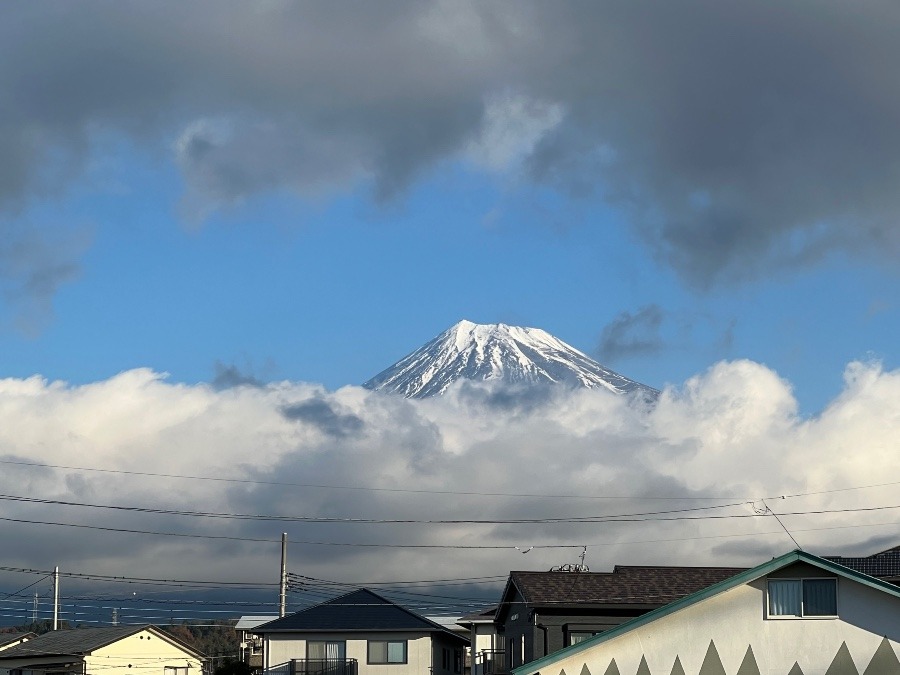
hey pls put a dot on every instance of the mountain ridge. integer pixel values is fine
(514, 354)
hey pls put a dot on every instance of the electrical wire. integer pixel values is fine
(353, 487)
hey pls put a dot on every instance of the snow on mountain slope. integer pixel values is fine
(496, 351)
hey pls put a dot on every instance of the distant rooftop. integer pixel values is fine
(248, 622)
(633, 585)
(884, 565)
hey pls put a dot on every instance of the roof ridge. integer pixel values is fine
(409, 611)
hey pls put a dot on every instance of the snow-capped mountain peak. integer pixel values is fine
(515, 354)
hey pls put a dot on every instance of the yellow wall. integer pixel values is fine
(147, 654)
(145, 651)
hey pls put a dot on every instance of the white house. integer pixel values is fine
(487, 647)
(794, 615)
(250, 650)
(360, 633)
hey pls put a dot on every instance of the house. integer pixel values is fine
(250, 650)
(884, 565)
(116, 650)
(798, 614)
(542, 612)
(485, 642)
(359, 633)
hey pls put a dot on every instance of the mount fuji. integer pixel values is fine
(516, 355)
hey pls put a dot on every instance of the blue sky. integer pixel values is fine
(333, 289)
(293, 195)
(190, 190)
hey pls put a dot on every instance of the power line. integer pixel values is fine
(367, 521)
(355, 487)
(437, 492)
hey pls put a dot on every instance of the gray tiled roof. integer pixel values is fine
(884, 564)
(80, 641)
(6, 638)
(632, 585)
(360, 610)
(75, 641)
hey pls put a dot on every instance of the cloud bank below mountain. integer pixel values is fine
(730, 435)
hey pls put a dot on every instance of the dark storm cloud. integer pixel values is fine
(319, 413)
(736, 136)
(631, 334)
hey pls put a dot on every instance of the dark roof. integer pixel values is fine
(485, 615)
(883, 564)
(361, 610)
(80, 641)
(625, 585)
(6, 638)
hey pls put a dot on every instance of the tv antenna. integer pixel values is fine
(574, 567)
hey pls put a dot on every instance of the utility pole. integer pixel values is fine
(34, 609)
(282, 595)
(56, 598)
(115, 616)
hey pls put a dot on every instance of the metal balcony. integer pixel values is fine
(324, 667)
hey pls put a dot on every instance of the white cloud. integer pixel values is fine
(513, 124)
(732, 431)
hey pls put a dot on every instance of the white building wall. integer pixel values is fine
(735, 620)
(483, 637)
(282, 648)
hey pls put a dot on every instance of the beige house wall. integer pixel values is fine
(280, 649)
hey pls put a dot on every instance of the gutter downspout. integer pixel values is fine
(543, 629)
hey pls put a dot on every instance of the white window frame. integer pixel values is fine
(803, 615)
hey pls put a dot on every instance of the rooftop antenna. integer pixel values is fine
(574, 567)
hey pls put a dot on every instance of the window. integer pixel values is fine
(172, 670)
(577, 636)
(802, 597)
(387, 651)
(445, 658)
(457, 660)
(321, 650)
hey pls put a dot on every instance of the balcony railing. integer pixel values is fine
(488, 662)
(324, 667)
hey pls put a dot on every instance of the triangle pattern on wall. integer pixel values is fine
(712, 664)
(643, 668)
(585, 670)
(749, 666)
(795, 669)
(612, 668)
(884, 661)
(677, 668)
(842, 663)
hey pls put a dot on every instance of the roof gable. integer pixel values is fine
(361, 610)
(740, 579)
